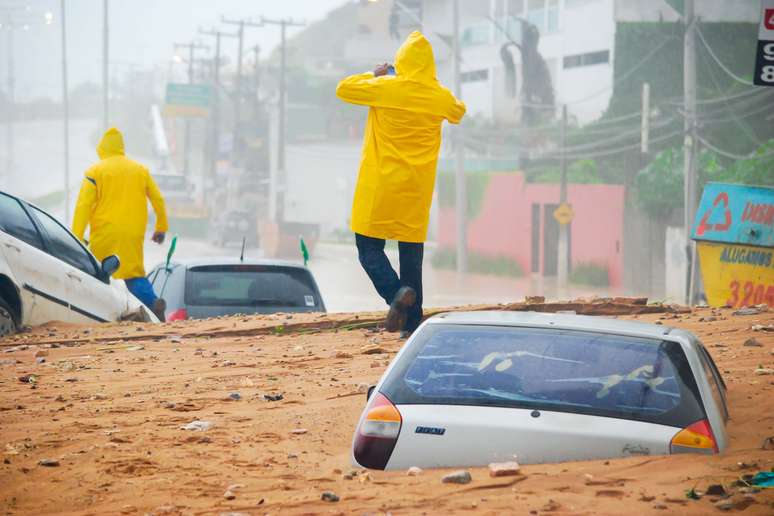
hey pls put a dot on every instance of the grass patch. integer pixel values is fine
(445, 258)
(590, 274)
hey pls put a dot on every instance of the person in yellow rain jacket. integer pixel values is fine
(407, 106)
(113, 201)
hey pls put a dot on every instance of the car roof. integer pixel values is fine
(225, 260)
(554, 321)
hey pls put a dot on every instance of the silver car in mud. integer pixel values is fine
(473, 388)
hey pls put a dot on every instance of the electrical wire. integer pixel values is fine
(719, 62)
(731, 155)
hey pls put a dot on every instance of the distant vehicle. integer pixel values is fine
(174, 187)
(46, 274)
(209, 288)
(469, 389)
(231, 226)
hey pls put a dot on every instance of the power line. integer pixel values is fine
(731, 155)
(719, 62)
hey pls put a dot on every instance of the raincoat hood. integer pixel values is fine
(414, 59)
(112, 144)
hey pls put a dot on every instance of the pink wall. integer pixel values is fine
(504, 226)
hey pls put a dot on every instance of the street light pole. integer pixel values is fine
(192, 48)
(65, 115)
(105, 58)
(459, 175)
(277, 197)
(215, 128)
(563, 249)
(238, 90)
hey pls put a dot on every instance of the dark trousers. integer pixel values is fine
(383, 276)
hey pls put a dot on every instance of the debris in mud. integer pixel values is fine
(49, 463)
(299, 431)
(504, 469)
(197, 426)
(761, 327)
(329, 496)
(716, 490)
(768, 443)
(235, 396)
(273, 397)
(458, 477)
(752, 310)
(764, 371)
(28, 378)
(752, 343)
(414, 471)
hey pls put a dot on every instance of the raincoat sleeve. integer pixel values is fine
(157, 201)
(364, 89)
(84, 207)
(456, 111)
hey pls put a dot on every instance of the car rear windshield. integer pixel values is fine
(571, 371)
(250, 285)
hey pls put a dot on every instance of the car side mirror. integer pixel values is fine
(110, 265)
(370, 392)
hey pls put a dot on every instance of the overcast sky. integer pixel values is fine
(142, 33)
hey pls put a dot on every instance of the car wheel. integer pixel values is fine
(7, 322)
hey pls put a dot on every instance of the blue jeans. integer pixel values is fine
(142, 289)
(383, 276)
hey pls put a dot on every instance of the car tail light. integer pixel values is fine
(696, 438)
(378, 434)
(178, 315)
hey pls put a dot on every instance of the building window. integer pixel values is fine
(588, 59)
(474, 76)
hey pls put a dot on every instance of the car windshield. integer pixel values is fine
(250, 285)
(574, 371)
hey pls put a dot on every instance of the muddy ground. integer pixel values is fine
(105, 405)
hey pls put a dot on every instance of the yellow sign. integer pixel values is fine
(737, 275)
(564, 214)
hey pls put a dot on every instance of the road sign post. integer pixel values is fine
(564, 214)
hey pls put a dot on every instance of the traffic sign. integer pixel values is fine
(187, 100)
(764, 61)
(564, 214)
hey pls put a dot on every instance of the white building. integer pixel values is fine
(576, 41)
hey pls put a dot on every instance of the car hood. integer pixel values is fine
(134, 309)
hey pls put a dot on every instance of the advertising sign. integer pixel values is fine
(734, 230)
(187, 100)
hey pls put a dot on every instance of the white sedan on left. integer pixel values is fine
(46, 274)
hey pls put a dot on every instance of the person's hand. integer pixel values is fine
(159, 237)
(381, 69)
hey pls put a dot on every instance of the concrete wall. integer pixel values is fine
(504, 225)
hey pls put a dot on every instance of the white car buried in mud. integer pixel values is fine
(46, 274)
(469, 389)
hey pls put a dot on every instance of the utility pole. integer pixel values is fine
(645, 127)
(278, 196)
(11, 105)
(689, 147)
(66, 115)
(238, 91)
(563, 249)
(461, 196)
(192, 48)
(105, 57)
(215, 126)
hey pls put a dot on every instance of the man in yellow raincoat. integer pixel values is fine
(114, 201)
(407, 107)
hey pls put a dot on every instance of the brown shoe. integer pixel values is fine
(396, 317)
(158, 308)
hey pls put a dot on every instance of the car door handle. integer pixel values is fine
(74, 277)
(15, 248)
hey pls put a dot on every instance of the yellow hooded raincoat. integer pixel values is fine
(114, 202)
(402, 139)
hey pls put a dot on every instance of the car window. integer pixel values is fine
(574, 371)
(250, 285)
(715, 383)
(64, 245)
(15, 221)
